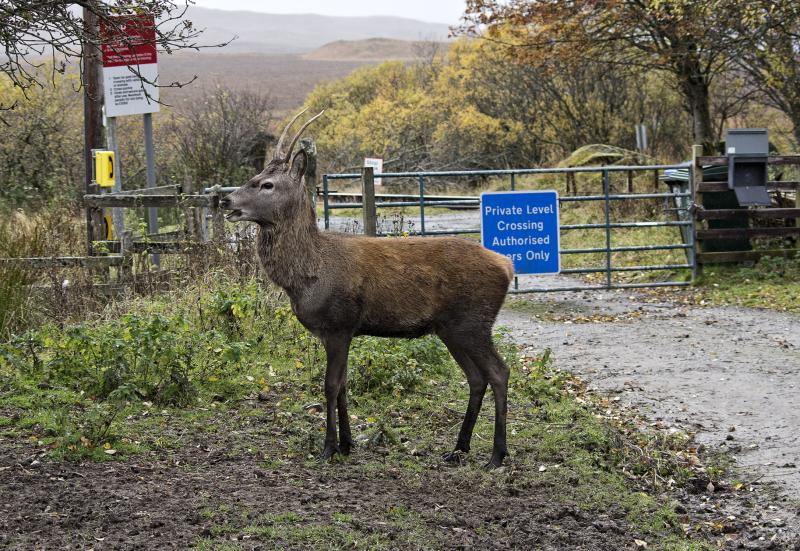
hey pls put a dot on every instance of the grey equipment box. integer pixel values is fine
(747, 150)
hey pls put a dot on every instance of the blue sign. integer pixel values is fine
(523, 225)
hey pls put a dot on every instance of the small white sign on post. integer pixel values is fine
(377, 165)
(130, 67)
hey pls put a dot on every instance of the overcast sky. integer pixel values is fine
(438, 11)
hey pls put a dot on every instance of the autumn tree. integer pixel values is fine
(691, 41)
(40, 149)
(773, 61)
(476, 108)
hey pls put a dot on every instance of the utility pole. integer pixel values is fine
(92, 109)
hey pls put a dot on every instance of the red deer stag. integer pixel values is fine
(341, 286)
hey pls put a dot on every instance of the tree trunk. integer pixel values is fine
(697, 95)
(695, 87)
(794, 116)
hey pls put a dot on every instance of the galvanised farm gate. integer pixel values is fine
(609, 206)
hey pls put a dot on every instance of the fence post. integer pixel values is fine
(606, 192)
(308, 145)
(422, 204)
(629, 181)
(126, 252)
(203, 224)
(218, 220)
(189, 213)
(326, 213)
(696, 174)
(368, 201)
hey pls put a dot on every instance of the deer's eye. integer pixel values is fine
(267, 185)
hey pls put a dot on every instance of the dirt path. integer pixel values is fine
(728, 374)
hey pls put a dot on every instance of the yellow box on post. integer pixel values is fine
(104, 168)
(108, 226)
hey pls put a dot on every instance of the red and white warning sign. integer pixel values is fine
(130, 66)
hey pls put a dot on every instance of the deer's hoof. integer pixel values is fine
(494, 463)
(329, 452)
(345, 448)
(457, 457)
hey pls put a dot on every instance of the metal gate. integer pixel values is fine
(600, 253)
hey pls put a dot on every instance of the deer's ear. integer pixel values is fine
(297, 168)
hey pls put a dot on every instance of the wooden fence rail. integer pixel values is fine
(144, 200)
(65, 261)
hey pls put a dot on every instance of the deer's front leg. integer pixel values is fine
(336, 350)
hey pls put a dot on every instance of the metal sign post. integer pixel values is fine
(641, 138)
(117, 214)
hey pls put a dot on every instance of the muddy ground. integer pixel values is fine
(220, 491)
(176, 500)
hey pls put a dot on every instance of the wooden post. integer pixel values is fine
(126, 252)
(368, 201)
(308, 145)
(218, 221)
(697, 174)
(189, 214)
(96, 214)
(797, 206)
(629, 181)
(655, 181)
(571, 185)
(203, 215)
(697, 151)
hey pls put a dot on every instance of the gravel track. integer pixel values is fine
(728, 375)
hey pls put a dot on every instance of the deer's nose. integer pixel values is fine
(225, 202)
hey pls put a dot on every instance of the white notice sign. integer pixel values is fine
(377, 164)
(130, 67)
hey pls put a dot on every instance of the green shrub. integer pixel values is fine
(380, 366)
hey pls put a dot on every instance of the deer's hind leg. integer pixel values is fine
(472, 347)
(485, 356)
(457, 345)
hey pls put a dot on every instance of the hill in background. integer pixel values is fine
(287, 79)
(288, 34)
(286, 56)
(373, 49)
